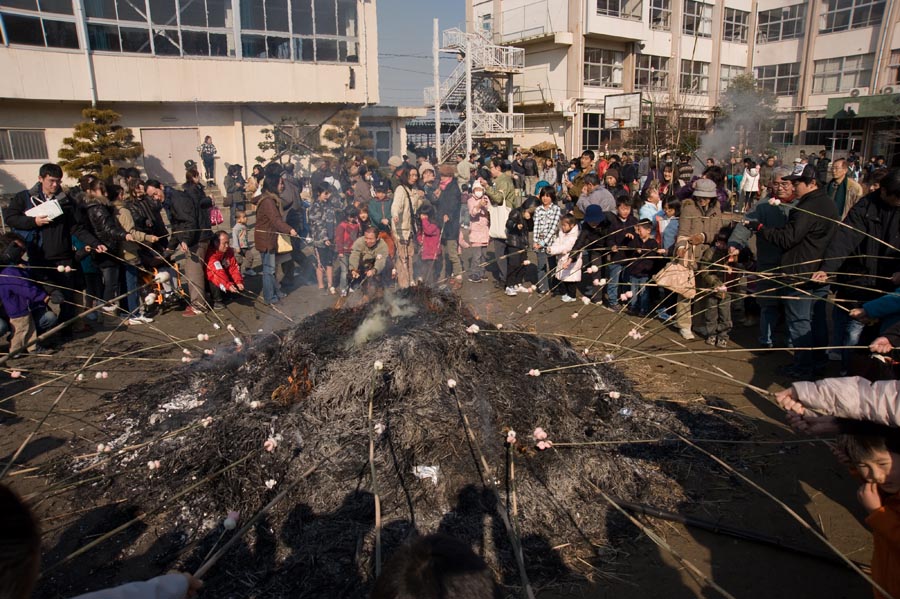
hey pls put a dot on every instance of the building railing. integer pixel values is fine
(534, 20)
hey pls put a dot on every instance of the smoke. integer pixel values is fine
(391, 308)
(745, 126)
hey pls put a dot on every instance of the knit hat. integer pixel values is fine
(425, 166)
(704, 188)
(612, 173)
(593, 214)
(395, 161)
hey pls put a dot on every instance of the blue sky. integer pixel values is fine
(404, 46)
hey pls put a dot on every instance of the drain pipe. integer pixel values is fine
(82, 28)
(886, 26)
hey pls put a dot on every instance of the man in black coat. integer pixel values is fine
(804, 241)
(449, 198)
(191, 232)
(49, 241)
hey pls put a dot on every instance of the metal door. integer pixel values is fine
(166, 150)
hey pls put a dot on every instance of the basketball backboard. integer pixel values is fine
(623, 111)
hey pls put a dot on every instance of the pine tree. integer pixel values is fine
(98, 145)
(346, 138)
(288, 137)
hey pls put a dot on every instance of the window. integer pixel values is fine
(782, 132)
(729, 72)
(697, 19)
(603, 68)
(621, 9)
(46, 24)
(23, 144)
(842, 74)
(696, 124)
(591, 128)
(694, 77)
(661, 15)
(895, 67)
(487, 23)
(845, 133)
(736, 25)
(778, 24)
(300, 30)
(841, 15)
(780, 79)
(651, 72)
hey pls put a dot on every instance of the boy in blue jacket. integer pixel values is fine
(24, 300)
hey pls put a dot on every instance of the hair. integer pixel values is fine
(50, 169)
(547, 191)
(645, 223)
(591, 179)
(272, 177)
(351, 212)
(889, 180)
(674, 204)
(435, 567)
(503, 165)
(837, 161)
(426, 210)
(207, 138)
(569, 220)
(404, 176)
(20, 546)
(624, 199)
(113, 192)
(724, 233)
(240, 214)
(91, 182)
(716, 174)
(133, 173)
(860, 439)
(589, 153)
(530, 204)
(320, 189)
(371, 230)
(781, 172)
(191, 174)
(219, 236)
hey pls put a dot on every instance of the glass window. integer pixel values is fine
(661, 15)
(326, 50)
(23, 144)
(131, 11)
(195, 43)
(780, 79)
(166, 42)
(135, 40)
(253, 15)
(100, 9)
(651, 72)
(697, 20)
(841, 15)
(326, 17)
(729, 72)
(62, 7)
(253, 46)
(22, 4)
(622, 9)
(193, 13)
(778, 24)
(591, 125)
(220, 44)
(304, 49)
(60, 34)
(104, 38)
(278, 47)
(694, 77)
(301, 16)
(347, 24)
(24, 30)
(782, 132)
(603, 68)
(162, 12)
(277, 15)
(845, 133)
(736, 25)
(842, 74)
(216, 11)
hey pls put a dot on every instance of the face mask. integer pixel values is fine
(479, 193)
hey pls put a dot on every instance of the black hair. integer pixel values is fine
(624, 199)
(503, 165)
(351, 212)
(716, 174)
(568, 218)
(50, 169)
(152, 183)
(320, 189)
(674, 204)
(271, 177)
(133, 173)
(890, 181)
(547, 190)
(591, 179)
(113, 192)
(860, 439)
(425, 209)
(12, 248)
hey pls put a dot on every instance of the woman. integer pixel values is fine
(669, 185)
(234, 192)
(208, 156)
(106, 228)
(548, 172)
(406, 203)
(255, 181)
(269, 224)
(518, 225)
(130, 254)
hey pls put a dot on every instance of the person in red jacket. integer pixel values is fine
(345, 234)
(429, 238)
(222, 270)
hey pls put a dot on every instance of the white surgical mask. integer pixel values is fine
(478, 193)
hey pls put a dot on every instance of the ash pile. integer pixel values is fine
(268, 413)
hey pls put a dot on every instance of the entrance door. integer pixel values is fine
(165, 152)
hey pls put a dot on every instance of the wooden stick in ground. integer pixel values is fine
(786, 508)
(661, 543)
(203, 569)
(375, 486)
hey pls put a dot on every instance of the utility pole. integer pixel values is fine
(436, 49)
(470, 111)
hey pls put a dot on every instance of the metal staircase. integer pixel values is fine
(490, 65)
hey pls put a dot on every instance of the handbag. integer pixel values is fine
(678, 278)
(284, 244)
(499, 215)
(215, 216)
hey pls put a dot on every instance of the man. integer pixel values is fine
(294, 210)
(822, 168)
(766, 177)
(322, 171)
(593, 193)
(586, 165)
(501, 192)
(464, 168)
(804, 240)
(862, 257)
(49, 239)
(147, 215)
(629, 171)
(191, 232)
(449, 198)
(530, 168)
(768, 255)
(685, 168)
(843, 190)
(518, 171)
(368, 258)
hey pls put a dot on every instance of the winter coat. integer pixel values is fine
(618, 229)
(870, 218)
(429, 238)
(619, 191)
(131, 250)
(548, 175)
(190, 216)
(146, 213)
(345, 236)
(853, 195)
(101, 217)
(546, 225)
(693, 221)
(323, 218)
(806, 236)
(240, 237)
(362, 255)
(686, 191)
(886, 308)
(766, 176)
(379, 211)
(403, 212)
(750, 182)
(479, 223)
(885, 525)
(168, 586)
(268, 223)
(515, 237)
(448, 205)
(644, 259)
(852, 397)
(666, 230)
(714, 269)
(17, 293)
(234, 190)
(362, 191)
(685, 170)
(222, 269)
(53, 241)
(290, 197)
(563, 245)
(530, 167)
(600, 196)
(768, 255)
(667, 191)
(503, 191)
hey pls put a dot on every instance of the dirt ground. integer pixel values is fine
(803, 474)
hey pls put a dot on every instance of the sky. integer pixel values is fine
(404, 46)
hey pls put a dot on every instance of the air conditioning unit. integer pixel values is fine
(889, 90)
(859, 91)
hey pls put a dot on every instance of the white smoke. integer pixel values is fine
(378, 321)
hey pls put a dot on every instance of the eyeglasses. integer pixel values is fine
(781, 184)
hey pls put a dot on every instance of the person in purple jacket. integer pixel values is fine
(25, 301)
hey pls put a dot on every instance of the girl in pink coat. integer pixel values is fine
(479, 231)
(429, 238)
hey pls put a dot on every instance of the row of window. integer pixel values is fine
(605, 68)
(773, 25)
(300, 30)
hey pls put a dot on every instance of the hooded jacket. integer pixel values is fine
(564, 243)
(448, 205)
(18, 292)
(53, 241)
(515, 237)
(480, 221)
(222, 269)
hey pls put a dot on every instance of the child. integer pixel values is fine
(24, 300)
(479, 231)
(429, 238)
(380, 206)
(348, 231)
(666, 235)
(518, 225)
(364, 221)
(646, 254)
(546, 226)
(715, 275)
(222, 270)
(621, 234)
(240, 241)
(568, 267)
(874, 451)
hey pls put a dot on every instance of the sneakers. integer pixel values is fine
(722, 342)
(332, 290)
(511, 292)
(711, 340)
(343, 293)
(250, 273)
(191, 311)
(476, 279)
(109, 310)
(663, 316)
(218, 306)
(139, 319)
(687, 334)
(567, 298)
(834, 355)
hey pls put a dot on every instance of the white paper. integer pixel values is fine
(49, 208)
